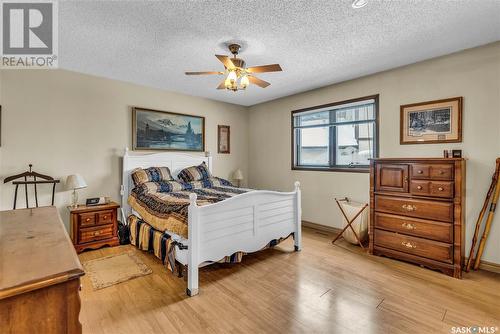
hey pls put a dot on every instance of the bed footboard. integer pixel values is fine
(246, 222)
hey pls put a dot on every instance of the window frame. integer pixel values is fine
(332, 150)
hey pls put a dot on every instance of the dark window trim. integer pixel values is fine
(353, 169)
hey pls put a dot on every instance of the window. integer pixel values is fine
(341, 136)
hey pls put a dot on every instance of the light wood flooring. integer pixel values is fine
(322, 289)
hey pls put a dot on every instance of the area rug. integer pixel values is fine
(114, 269)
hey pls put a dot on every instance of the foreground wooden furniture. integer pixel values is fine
(40, 274)
(417, 211)
(93, 227)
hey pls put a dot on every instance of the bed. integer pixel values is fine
(245, 222)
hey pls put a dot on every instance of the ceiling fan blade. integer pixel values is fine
(226, 61)
(264, 68)
(258, 82)
(221, 85)
(201, 73)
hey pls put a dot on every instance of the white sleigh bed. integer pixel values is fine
(246, 222)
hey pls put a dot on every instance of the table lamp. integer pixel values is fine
(238, 176)
(74, 182)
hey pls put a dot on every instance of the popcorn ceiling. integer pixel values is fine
(317, 43)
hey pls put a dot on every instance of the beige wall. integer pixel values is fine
(473, 74)
(64, 123)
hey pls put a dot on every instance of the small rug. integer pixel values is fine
(114, 269)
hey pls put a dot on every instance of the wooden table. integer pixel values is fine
(40, 273)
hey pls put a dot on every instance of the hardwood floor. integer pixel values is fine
(323, 288)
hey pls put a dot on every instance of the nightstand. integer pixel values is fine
(93, 227)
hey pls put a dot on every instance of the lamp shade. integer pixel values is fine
(75, 181)
(238, 175)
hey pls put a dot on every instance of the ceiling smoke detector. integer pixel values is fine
(359, 3)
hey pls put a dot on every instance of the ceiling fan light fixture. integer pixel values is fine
(244, 82)
(230, 81)
(237, 74)
(356, 4)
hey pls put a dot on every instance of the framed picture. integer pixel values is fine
(161, 130)
(432, 122)
(223, 139)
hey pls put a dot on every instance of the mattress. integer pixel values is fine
(164, 205)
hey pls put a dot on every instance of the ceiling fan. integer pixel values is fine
(238, 77)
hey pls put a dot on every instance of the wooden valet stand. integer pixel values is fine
(349, 221)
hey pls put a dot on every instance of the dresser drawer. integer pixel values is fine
(441, 172)
(432, 188)
(420, 171)
(432, 171)
(420, 208)
(86, 219)
(430, 249)
(438, 231)
(95, 233)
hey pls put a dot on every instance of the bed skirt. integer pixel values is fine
(146, 238)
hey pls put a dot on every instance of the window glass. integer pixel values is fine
(343, 136)
(315, 146)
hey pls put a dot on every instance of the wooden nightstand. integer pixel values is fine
(94, 226)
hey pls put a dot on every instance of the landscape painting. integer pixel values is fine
(161, 130)
(432, 122)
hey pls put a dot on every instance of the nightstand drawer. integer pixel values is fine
(86, 219)
(105, 217)
(95, 233)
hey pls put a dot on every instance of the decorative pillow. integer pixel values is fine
(161, 187)
(195, 173)
(151, 174)
(210, 183)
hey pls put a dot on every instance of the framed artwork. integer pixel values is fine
(223, 139)
(431, 122)
(162, 130)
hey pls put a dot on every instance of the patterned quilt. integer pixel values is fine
(164, 205)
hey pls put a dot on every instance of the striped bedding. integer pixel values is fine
(164, 205)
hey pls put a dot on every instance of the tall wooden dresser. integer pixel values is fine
(417, 211)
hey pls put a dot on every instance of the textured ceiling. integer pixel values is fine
(316, 42)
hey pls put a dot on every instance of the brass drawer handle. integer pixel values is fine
(105, 217)
(419, 187)
(420, 171)
(87, 220)
(409, 226)
(440, 188)
(408, 244)
(96, 233)
(441, 172)
(409, 207)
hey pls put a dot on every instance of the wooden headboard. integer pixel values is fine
(173, 160)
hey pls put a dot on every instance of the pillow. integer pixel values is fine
(211, 183)
(151, 174)
(195, 173)
(160, 187)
